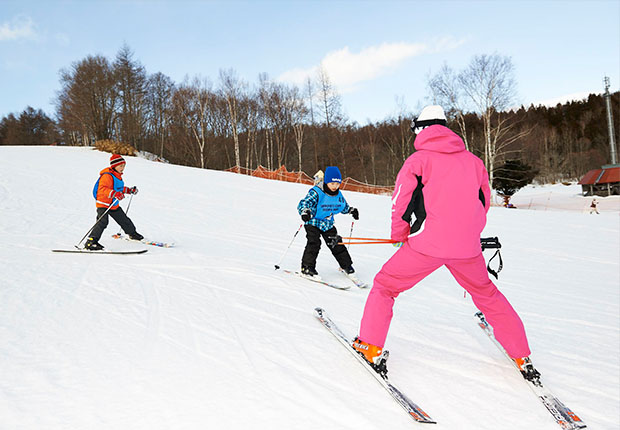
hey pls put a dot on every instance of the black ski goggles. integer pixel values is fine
(426, 122)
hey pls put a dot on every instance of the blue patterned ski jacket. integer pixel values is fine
(313, 200)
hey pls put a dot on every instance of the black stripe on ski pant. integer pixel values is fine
(313, 234)
(118, 215)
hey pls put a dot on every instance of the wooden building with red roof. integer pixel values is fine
(602, 182)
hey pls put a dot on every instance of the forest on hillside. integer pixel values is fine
(229, 122)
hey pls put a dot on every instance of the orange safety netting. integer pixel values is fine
(281, 174)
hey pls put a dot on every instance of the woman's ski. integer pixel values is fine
(562, 415)
(412, 409)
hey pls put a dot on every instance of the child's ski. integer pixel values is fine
(562, 415)
(412, 409)
(353, 277)
(320, 281)
(87, 251)
(145, 241)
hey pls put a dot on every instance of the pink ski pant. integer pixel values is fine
(408, 267)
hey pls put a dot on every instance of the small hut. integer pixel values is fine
(601, 182)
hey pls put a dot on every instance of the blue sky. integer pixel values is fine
(376, 52)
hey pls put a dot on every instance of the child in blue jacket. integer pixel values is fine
(317, 210)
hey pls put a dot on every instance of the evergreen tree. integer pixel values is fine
(511, 177)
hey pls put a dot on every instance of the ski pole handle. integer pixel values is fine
(493, 243)
(490, 243)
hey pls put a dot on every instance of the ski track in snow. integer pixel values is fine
(209, 335)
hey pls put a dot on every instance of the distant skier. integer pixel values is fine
(317, 210)
(109, 190)
(593, 207)
(439, 208)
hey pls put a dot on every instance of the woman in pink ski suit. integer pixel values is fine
(439, 208)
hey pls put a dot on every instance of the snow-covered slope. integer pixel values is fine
(559, 197)
(209, 335)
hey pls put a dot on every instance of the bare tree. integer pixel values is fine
(86, 103)
(32, 127)
(232, 90)
(330, 106)
(159, 97)
(310, 93)
(372, 145)
(131, 81)
(329, 98)
(251, 120)
(447, 92)
(278, 101)
(405, 136)
(489, 84)
(298, 113)
(191, 103)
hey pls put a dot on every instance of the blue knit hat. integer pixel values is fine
(332, 174)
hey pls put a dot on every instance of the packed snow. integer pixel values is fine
(209, 335)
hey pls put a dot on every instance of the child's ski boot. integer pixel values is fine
(136, 236)
(92, 245)
(310, 272)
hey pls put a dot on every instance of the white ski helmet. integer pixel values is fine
(430, 115)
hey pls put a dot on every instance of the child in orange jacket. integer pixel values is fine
(109, 190)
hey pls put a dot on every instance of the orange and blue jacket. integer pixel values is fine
(109, 182)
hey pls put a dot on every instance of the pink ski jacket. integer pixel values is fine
(441, 197)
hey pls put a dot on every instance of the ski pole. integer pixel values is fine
(91, 229)
(129, 204)
(126, 212)
(351, 233)
(289, 245)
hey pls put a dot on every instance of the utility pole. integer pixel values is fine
(610, 122)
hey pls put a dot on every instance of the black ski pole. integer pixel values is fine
(289, 245)
(91, 229)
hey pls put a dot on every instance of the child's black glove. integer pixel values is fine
(355, 213)
(306, 215)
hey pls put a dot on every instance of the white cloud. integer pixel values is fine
(20, 27)
(346, 69)
(564, 99)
